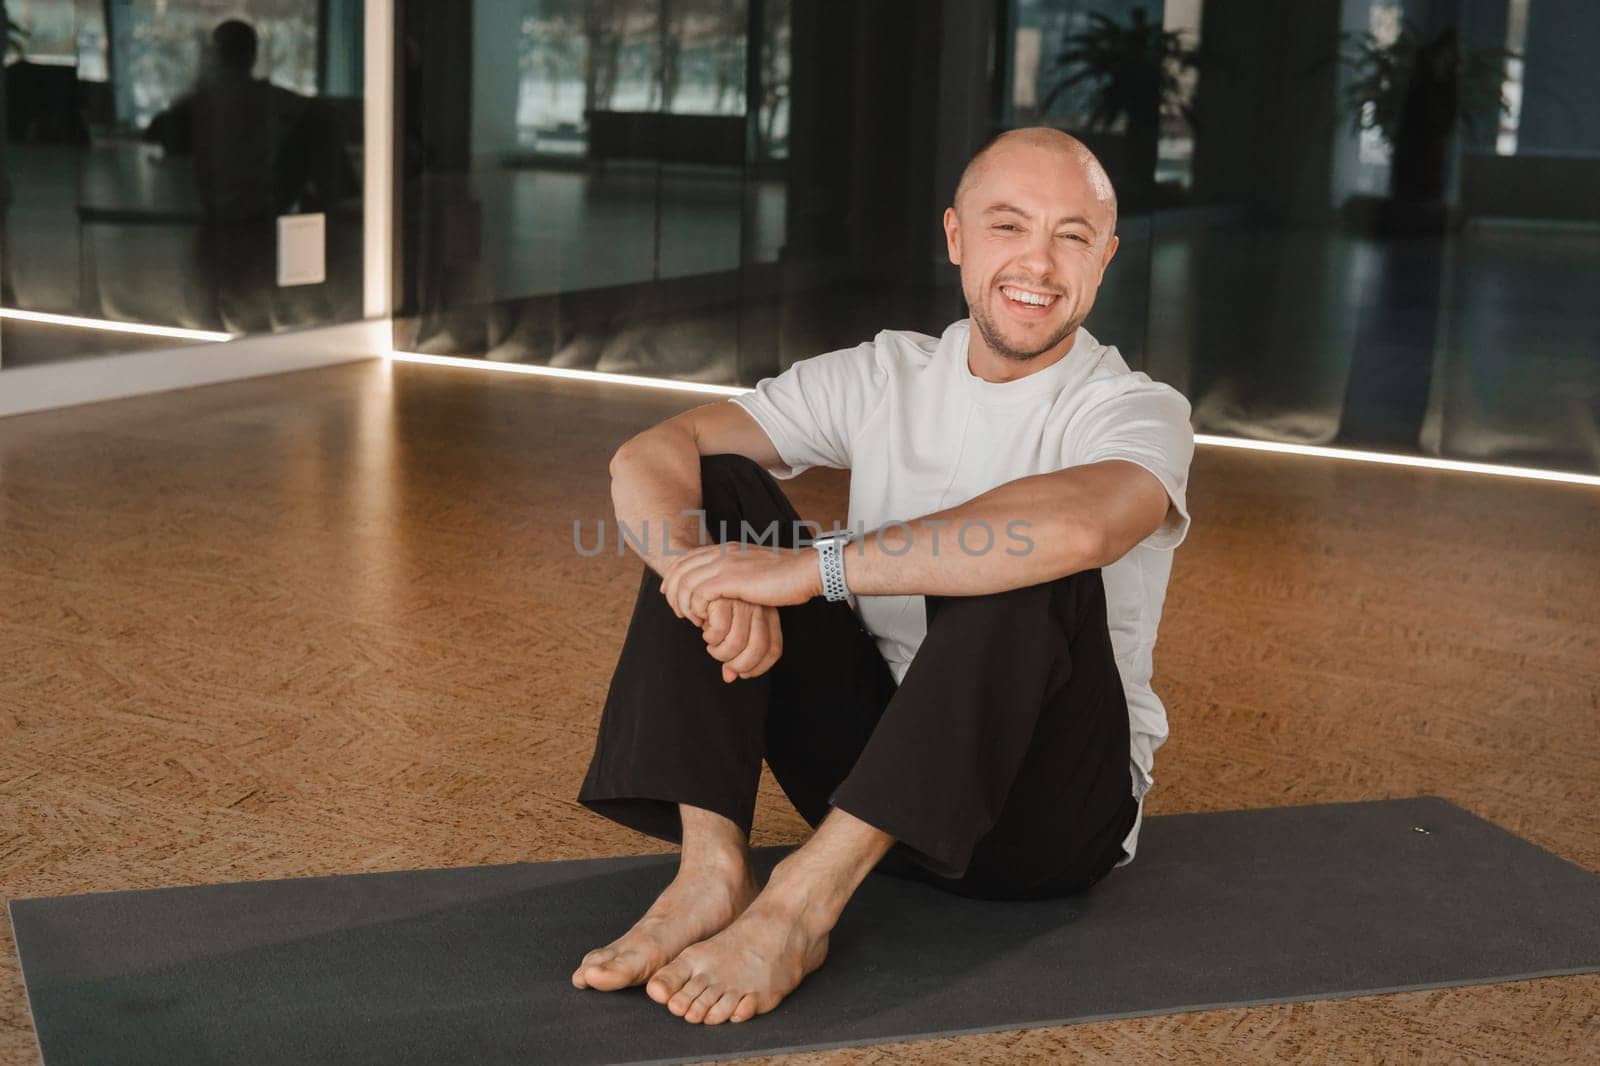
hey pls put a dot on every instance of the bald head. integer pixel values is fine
(1033, 229)
(1063, 146)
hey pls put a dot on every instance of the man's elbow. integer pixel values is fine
(1103, 543)
(629, 451)
(651, 446)
(1070, 545)
(1091, 546)
(619, 459)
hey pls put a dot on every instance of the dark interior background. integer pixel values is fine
(117, 203)
(709, 190)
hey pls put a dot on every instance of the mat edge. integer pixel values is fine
(22, 972)
(665, 855)
(1117, 1016)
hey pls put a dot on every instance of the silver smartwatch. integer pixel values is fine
(830, 560)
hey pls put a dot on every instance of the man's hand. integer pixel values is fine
(745, 638)
(772, 577)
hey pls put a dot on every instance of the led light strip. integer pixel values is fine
(1348, 454)
(1390, 459)
(666, 384)
(564, 372)
(109, 326)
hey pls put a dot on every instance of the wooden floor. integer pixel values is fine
(333, 621)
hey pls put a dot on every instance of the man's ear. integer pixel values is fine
(952, 235)
(1111, 251)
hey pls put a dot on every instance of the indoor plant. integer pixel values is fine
(1416, 92)
(1130, 73)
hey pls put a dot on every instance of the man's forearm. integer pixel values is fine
(1021, 533)
(655, 478)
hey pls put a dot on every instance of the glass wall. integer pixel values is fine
(1357, 239)
(151, 152)
(706, 189)
(1359, 222)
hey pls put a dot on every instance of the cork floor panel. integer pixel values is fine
(334, 621)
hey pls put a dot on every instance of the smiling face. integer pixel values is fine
(1032, 231)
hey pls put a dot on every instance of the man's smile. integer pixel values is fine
(1028, 303)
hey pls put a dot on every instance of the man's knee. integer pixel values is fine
(742, 501)
(725, 481)
(729, 464)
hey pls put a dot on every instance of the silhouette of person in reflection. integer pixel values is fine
(259, 150)
(242, 132)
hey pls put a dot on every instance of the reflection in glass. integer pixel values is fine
(617, 179)
(161, 44)
(1345, 242)
(150, 147)
(713, 190)
(577, 60)
(1511, 88)
(772, 117)
(1117, 77)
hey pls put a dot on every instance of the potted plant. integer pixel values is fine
(1415, 93)
(1130, 73)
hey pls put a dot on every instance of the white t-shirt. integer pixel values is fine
(919, 432)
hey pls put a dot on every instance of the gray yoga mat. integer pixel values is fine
(472, 965)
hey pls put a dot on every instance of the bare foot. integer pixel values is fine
(696, 905)
(744, 970)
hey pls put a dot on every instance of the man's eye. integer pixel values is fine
(1005, 226)
(1075, 237)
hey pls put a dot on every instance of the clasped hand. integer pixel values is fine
(733, 592)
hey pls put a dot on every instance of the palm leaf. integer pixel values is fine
(1122, 71)
(1381, 74)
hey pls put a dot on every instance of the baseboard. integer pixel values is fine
(111, 377)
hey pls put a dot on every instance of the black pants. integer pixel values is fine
(999, 764)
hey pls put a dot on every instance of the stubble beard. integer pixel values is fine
(999, 346)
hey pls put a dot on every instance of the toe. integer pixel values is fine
(684, 998)
(667, 981)
(613, 972)
(745, 1010)
(578, 975)
(587, 969)
(702, 1004)
(722, 1010)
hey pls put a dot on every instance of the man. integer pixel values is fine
(248, 164)
(240, 130)
(985, 723)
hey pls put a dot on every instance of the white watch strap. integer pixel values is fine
(830, 560)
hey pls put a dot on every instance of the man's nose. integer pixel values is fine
(1036, 256)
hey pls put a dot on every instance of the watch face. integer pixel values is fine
(838, 536)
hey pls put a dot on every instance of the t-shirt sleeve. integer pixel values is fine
(1147, 425)
(814, 410)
